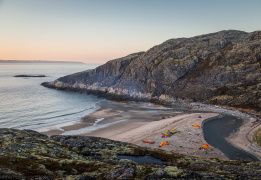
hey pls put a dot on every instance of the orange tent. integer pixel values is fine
(195, 125)
(164, 143)
(205, 146)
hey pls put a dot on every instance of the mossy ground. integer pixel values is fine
(29, 155)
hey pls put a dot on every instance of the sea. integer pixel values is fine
(25, 104)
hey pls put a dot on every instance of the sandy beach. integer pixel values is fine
(133, 122)
(140, 121)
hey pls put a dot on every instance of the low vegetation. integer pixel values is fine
(26, 154)
(257, 137)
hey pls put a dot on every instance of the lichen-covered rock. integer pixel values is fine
(26, 154)
(219, 68)
(160, 174)
(31, 154)
(85, 177)
(124, 172)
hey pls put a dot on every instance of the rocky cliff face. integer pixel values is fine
(26, 154)
(220, 68)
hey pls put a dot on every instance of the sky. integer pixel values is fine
(96, 31)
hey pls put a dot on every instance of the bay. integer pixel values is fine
(25, 104)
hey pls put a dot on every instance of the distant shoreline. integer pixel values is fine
(36, 61)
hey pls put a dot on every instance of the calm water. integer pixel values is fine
(25, 104)
(216, 132)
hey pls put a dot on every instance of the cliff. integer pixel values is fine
(26, 154)
(222, 68)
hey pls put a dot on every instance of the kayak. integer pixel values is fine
(150, 142)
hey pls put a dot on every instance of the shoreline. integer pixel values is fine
(112, 114)
(128, 124)
(242, 138)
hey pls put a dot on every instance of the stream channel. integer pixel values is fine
(215, 131)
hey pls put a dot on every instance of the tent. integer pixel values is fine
(173, 131)
(164, 143)
(205, 146)
(167, 134)
(195, 125)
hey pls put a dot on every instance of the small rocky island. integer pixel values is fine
(26, 154)
(29, 76)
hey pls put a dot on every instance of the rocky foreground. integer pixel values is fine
(26, 154)
(222, 68)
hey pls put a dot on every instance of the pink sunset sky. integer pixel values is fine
(95, 31)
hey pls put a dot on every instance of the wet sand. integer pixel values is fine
(134, 114)
(135, 121)
(147, 121)
(243, 137)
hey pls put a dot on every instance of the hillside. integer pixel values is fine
(27, 154)
(222, 68)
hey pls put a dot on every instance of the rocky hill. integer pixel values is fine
(221, 68)
(26, 154)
